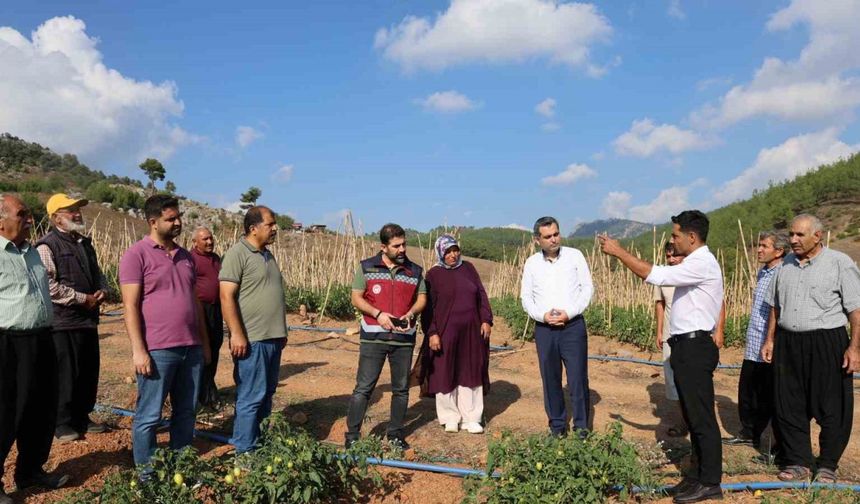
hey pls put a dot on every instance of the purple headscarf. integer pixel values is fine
(443, 243)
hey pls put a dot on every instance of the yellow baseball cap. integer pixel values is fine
(60, 201)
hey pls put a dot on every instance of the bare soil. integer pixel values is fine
(317, 377)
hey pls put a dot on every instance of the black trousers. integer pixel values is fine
(371, 358)
(693, 363)
(28, 398)
(755, 399)
(809, 382)
(215, 326)
(78, 373)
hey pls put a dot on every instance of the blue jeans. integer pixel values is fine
(256, 378)
(175, 371)
(566, 345)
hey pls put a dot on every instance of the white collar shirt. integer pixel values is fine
(698, 299)
(564, 284)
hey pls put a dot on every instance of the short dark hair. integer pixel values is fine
(158, 203)
(389, 231)
(543, 222)
(669, 247)
(693, 221)
(254, 216)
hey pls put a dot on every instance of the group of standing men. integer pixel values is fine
(50, 293)
(175, 301)
(799, 359)
(173, 306)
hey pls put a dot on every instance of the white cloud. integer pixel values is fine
(571, 174)
(546, 108)
(283, 174)
(335, 220)
(705, 84)
(669, 202)
(246, 135)
(674, 10)
(516, 226)
(492, 31)
(795, 156)
(235, 206)
(446, 102)
(550, 127)
(646, 139)
(56, 90)
(616, 204)
(820, 84)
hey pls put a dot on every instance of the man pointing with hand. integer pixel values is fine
(696, 308)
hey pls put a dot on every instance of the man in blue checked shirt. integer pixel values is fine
(755, 389)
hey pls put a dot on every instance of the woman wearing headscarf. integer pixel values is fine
(456, 349)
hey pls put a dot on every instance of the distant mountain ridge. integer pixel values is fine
(617, 228)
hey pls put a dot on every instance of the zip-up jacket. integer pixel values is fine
(391, 291)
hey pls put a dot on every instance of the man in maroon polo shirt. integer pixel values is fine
(207, 264)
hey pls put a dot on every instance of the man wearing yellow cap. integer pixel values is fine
(77, 289)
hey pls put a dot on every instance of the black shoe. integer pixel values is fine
(42, 479)
(96, 428)
(348, 442)
(5, 499)
(698, 493)
(737, 441)
(398, 442)
(684, 485)
(65, 434)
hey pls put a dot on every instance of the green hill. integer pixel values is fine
(831, 192)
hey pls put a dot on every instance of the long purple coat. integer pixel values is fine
(456, 307)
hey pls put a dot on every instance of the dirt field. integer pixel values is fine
(317, 375)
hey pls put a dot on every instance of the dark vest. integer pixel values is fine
(392, 295)
(77, 268)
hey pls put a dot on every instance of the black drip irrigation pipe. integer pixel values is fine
(464, 472)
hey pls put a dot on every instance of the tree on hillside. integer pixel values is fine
(284, 221)
(154, 170)
(250, 197)
(170, 187)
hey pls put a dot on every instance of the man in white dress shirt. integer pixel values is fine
(698, 299)
(556, 289)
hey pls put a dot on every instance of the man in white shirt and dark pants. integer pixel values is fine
(698, 299)
(556, 289)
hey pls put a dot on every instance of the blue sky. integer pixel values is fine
(466, 112)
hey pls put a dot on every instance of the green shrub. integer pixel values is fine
(292, 466)
(289, 467)
(339, 305)
(628, 326)
(118, 197)
(510, 309)
(549, 469)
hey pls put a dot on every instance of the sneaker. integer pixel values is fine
(398, 442)
(473, 427)
(65, 434)
(42, 479)
(96, 428)
(737, 441)
(452, 427)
